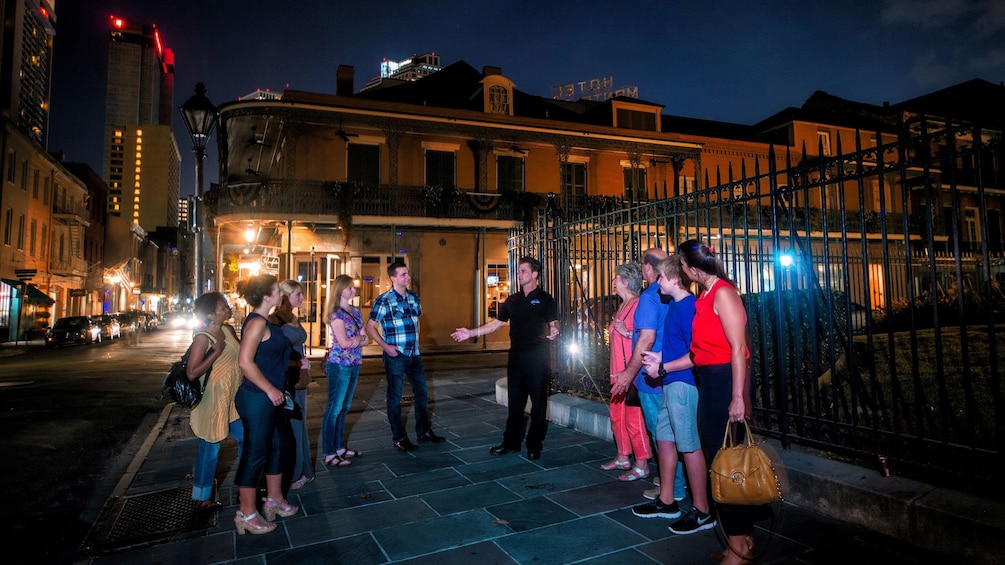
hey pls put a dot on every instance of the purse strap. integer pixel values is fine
(727, 438)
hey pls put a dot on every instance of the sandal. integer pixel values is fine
(273, 508)
(247, 524)
(336, 461)
(349, 454)
(617, 464)
(635, 474)
(299, 483)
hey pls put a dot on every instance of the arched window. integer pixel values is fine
(498, 100)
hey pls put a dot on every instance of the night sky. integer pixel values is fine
(730, 61)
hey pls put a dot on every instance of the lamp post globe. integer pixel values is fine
(200, 117)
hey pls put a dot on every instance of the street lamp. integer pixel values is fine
(200, 118)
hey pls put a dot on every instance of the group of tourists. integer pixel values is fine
(679, 373)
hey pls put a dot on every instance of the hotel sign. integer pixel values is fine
(598, 89)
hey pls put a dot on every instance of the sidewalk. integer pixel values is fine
(455, 503)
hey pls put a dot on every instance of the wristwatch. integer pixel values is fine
(661, 372)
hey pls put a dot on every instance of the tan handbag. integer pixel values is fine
(742, 474)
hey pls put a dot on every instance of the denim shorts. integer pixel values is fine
(678, 417)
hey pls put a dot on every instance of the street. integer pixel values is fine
(68, 414)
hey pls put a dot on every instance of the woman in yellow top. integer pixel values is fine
(215, 417)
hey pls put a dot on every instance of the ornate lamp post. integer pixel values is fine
(200, 119)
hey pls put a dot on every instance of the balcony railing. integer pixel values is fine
(338, 199)
(68, 267)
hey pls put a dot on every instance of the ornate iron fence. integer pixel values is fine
(873, 287)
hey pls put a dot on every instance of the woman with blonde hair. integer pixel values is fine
(298, 378)
(342, 370)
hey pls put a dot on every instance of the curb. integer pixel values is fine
(939, 519)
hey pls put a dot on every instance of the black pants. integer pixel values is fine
(527, 375)
(715, 390)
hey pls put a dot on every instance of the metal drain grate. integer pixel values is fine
(135, 519)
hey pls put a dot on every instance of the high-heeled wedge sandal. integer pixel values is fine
(273, 508)
(244, 524)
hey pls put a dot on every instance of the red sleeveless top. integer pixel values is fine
(709, 345)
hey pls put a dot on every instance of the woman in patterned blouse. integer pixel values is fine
(344, 359)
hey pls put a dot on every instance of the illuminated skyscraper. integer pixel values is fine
(413, 68)
(26, 65)
(141, 157)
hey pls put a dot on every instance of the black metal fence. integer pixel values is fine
(873, 286)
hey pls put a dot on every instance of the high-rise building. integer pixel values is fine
(26, 68)
(139, 104)
(413, 68)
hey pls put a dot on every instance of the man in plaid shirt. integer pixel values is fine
(396, 314)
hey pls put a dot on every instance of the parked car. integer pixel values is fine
(151, 321)
(73, 329)
(109, 326)
(130, 322)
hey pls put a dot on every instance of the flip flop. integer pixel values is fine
(350, 453)
(336, 461)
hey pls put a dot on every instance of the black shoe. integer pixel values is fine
(405, 445)
(656, 508)
(533, 455)
(502, 450)
(430, 437)
(694, 521)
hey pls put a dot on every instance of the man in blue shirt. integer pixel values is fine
(396, 314)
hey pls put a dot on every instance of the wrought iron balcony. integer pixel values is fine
(338, 199)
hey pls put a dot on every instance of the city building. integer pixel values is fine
(141, 163)
(411, 69)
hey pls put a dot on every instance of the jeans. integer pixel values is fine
(342, 381)
(303, 465)
(205, 462)
(527, 375)
(266, 433)
(397, 368)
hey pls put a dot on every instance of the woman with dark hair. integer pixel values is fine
(298, 378)
(263, 357)
(215, 416)
(344, 359)
(720, 355)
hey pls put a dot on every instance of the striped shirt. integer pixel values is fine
(398, 317)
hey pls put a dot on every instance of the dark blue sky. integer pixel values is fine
(730, 61)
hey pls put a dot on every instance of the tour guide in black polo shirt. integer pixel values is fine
(533, 325)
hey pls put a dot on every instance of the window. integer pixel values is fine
(440, 168)
(634, 119)
(32, 235)
(45, 191)
(635, 182)
(34, 184)
(972, 226)
(20, 232)
(510, 173)
(62, 248)
(574, 179)
(45, 241)
(824, 142)
(11, 159)
(24, 175)
(498, 100)
(364, 164)
(8, 219)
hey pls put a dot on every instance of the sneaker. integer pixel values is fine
(656, 480)
(657, 509)
(651, 493)
(694, 521)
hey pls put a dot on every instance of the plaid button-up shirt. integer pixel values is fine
(398, 317)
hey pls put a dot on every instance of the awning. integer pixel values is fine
(37, 296)
(30, 292)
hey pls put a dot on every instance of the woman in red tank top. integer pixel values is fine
(719, 351)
